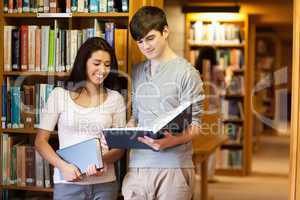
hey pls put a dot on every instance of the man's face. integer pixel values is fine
(153, 44)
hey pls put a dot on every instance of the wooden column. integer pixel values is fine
(294, 191)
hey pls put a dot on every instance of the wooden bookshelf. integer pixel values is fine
(102, 15)
(215, 45)
(196, 38)
(26, 188)
(19, 15)
(25, 131)
(17, 73)
(68, 22)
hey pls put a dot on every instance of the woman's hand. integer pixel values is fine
(70, 172)
(92, 170)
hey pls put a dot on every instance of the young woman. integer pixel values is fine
(81, 112)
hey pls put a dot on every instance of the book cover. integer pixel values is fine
(110, 33)
(39, 170)
(40, 6)
(30, 165)
(103, 5)
(74, 5)
(83, 154)
(94, 6)
(51, 54)
(20, 6)
(53, 6)
(47, 175)
(46, 6)
(29, 106)
(31, 47)
(38, 49)
(8, 47)
(5, 6)
(45, 32)
(4, 105)
(15, 106)
(26, 7)
(15, 48)
(24, 47)
(174, 121)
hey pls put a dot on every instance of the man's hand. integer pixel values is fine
(160, 144)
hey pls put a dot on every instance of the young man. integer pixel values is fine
(160, 84)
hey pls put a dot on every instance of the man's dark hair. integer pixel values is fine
(146, 19)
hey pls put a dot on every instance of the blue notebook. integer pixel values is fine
(83, 154)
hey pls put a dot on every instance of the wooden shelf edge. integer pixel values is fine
(19, 15)
(107, 15)
(227, 96)
(232, 146)
(27, 188)
(72, 15)
(230, 172)
(233, 121)
(28, 131)
(18, 73)
(19, 130)
(199, 45)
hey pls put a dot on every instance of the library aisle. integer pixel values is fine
(269, 179)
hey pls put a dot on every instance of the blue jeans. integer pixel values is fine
(102, 191)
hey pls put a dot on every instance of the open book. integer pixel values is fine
(174, 121)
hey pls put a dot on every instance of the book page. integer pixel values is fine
(162, 121)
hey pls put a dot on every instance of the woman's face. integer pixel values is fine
(98, 67)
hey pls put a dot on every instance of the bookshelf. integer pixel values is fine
(266, 58)
(126, 50)
(227, 34)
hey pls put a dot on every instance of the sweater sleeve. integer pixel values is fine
(192, 90)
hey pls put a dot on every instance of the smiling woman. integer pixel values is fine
(81, 111)
(98, 68)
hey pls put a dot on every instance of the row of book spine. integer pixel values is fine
(232, 109)
(225, 58)
(229, 159)
(235, 85)
(215, 33)
(234, 133)
(34, 48)
(65, 6)
(21, 105)
(22, 165)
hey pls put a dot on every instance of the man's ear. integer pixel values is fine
(166, 32)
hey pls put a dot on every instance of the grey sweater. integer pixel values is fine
(174, 82)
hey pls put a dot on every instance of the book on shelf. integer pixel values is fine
(215, 33)
(174, 121)
(235, 85)
(232, 109)
(83, 154)
(22, 104)
(58, 6)
(22, 165)
(52, 49)
(229, 159)
(234, 133)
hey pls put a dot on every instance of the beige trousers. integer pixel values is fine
(158, 184)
